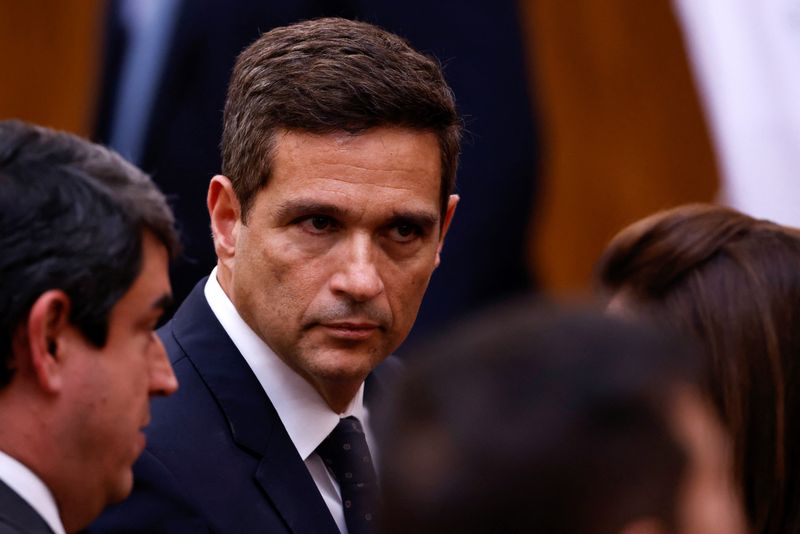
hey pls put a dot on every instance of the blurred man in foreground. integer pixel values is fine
(85, 240)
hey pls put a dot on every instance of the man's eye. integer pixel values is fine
(318, 224)
(405, 232)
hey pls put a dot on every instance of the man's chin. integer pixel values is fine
(123, 487)
(345, 365)
(344, 374)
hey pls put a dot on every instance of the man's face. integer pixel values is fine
(338, 248)
(108, 389)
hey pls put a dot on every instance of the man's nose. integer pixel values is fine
(357, 275)
(162, 378)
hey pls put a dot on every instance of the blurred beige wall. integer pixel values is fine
(622, 132)
(50, 52)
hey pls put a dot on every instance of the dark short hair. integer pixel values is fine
(327, 75)
(72, 216)
(733, 282)
(524, 413)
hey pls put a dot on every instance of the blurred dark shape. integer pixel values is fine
(540, 420)
(481, 47)
(733, 282)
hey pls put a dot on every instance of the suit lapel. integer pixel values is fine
(297, 499)
(252, 420)
(18, 514)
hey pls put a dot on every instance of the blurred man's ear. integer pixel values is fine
(40, 341)
(225, 213)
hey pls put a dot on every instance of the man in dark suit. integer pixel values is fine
(85, 240)
(339, 149)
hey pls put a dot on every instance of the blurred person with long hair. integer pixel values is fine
(733, 282)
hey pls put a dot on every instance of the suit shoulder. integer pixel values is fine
(156, 505)
(17, 516)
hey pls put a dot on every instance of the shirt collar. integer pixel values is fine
(304, 413)
(31, 489)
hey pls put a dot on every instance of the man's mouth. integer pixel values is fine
(350, 330)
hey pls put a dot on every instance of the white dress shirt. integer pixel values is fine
(32, 490)
(305, 414)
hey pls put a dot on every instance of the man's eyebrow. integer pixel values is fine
(424, 219)
(293, 208)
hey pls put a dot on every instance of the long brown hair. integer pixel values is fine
(734, 282)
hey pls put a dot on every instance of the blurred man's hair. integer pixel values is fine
(532, 420)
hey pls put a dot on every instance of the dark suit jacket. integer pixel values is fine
(17, 516)
(218, 457)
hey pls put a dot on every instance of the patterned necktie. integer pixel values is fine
(346, 454)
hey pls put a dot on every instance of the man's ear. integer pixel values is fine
(40, 342)
(452, 202)
(225, 213)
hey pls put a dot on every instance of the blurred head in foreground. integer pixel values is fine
(733, 282)
(534, 420)
(85, 240)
